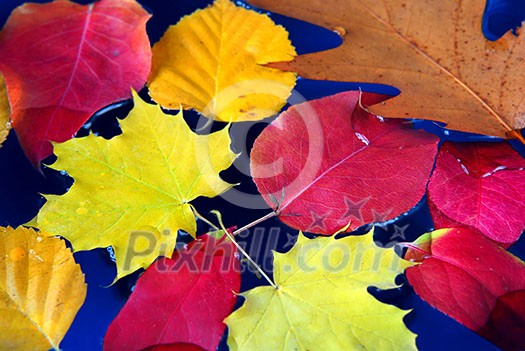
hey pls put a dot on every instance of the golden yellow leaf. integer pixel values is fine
(433, 51)
(133, 191)
(322, 302)
(41, 290)
(213, 60)
(5, 110)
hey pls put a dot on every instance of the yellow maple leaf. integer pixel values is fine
(41, 290)
(213, 60)
(5, 111)
(322, 302)
(133, 191)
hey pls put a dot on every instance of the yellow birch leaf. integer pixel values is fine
(213, 60)
(5, 111)
(322, 301)
(41, 290)
(133, 192)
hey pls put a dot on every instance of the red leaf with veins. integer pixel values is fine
(180, 303)
(441, 222)
(480, 185)
(466, 275)
(175, 347)
(506, 325)
(64, 61)
(439, 219)
(328, 162)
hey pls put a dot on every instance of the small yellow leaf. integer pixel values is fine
(5, 111)
(322, 302)
(41, 290)
(213, 60)
(132, 192)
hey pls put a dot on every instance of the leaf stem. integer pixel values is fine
(245, 254)
(254, 223)
(202, 218)
(241, 250)
(412, 247)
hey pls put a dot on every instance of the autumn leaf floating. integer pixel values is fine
(228, 81)
(180, 301)
(133, 192)
(321, 301)
(433, 51)
(41, 290)
(5, 111)
(320, 184)
(473, 280)
(480, 185)
(63, 61)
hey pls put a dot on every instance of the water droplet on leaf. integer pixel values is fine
(340, 31)
(363, 138)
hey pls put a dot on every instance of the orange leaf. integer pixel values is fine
(433, 51)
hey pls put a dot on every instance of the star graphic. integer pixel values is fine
(290, 240)
(318, 221)
(354, 208)
(399, 232)
(379, 218)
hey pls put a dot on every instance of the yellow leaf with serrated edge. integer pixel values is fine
(5, 111)
(213, 60)
(322, 301)
(41, 290)
(133, 192)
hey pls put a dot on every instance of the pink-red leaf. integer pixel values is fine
(464, 275)
(328, 162)
(175, 347)
(480, 185)
(180, 303)
(441, 221)
(506, 324)
(64, 61)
